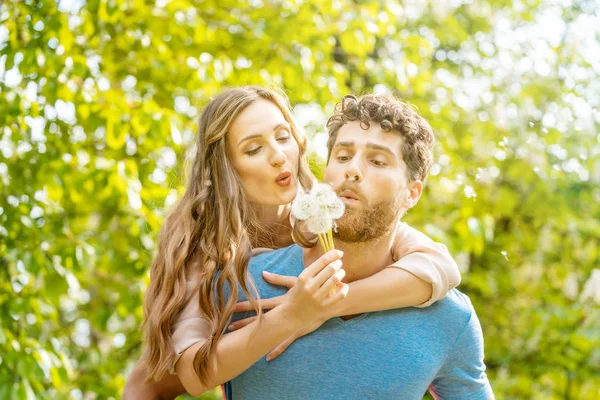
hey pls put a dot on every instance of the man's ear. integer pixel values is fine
(415, 189)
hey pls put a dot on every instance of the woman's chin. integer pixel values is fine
(290, 194)
(284, 197)
(277, 196)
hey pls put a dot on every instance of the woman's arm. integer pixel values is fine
(424, 272)
(308, 300)
(430, 261)
(237, 351)
(388, 289)
(137, 387)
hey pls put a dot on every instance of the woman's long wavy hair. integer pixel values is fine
(212, 229)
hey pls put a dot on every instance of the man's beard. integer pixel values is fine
(369, 222)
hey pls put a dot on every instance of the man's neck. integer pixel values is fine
(360, 260)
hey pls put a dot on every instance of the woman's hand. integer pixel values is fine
(269, 304)
(309, 299)
(312, 287)
(265, 304)
(335, 276)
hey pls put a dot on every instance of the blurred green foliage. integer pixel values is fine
(98, 102)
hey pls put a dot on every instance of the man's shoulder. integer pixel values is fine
(457, 303)
(286, 260)
(455, 310)
(284, 252)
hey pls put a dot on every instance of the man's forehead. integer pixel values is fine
(353, 134)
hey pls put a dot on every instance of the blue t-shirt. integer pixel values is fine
(396, 354)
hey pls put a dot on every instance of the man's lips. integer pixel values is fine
(350, 195)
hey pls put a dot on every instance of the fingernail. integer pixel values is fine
(341, 253)
(231, 327)
(269, 358)
(266, 273)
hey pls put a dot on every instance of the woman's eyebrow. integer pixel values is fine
(256, 135)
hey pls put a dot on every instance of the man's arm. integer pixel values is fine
(463, 374)
(168, 388)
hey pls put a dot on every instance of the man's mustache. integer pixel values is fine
(352, 188)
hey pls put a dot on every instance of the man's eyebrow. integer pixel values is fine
(380, 147)
(372, 146)
(257, 135)
(344, 144)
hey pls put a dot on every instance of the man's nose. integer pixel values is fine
(353, 172)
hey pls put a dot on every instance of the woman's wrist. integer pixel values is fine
(289, 316)
(338, 309)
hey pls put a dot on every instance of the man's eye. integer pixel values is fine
(378, 163)
(253, 151)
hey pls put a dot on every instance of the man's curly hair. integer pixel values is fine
(393, 115)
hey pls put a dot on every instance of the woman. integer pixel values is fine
(248, 167)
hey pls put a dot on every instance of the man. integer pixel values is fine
(379, 156)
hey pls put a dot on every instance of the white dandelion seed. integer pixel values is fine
(336, 209)
(304, 207)
(319, 208)
(320, 223)
(323, 193)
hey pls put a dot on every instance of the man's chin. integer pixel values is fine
(363, 223)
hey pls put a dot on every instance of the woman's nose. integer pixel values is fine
(278, 157)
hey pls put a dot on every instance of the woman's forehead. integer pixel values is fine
(260, 117)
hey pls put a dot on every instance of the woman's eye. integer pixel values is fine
(378, 163)
(253, 151)
(343, 158)
(284, 139)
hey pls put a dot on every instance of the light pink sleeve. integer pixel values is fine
(189, 327)
(416, 253)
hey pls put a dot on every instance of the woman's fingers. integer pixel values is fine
(281, 348)
(265, 304)
(330, 284)
(326, 274)
(279, 280)
(298, 334)
(321, 263)
(241, 323)
(340, 294)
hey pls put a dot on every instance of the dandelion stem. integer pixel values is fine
(322, 242)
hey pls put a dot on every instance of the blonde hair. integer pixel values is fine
(212, 229)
